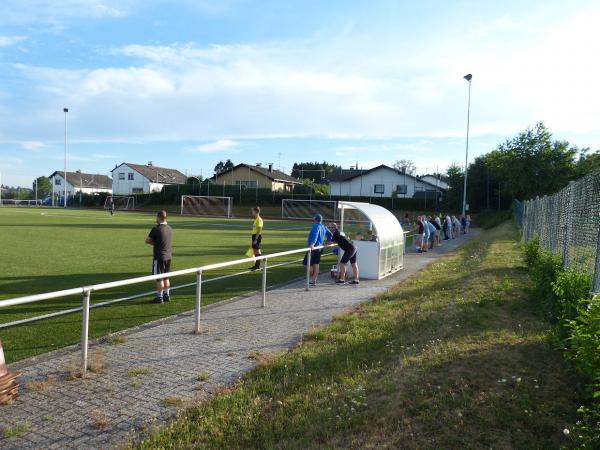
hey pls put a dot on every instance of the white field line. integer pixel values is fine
(151, 219)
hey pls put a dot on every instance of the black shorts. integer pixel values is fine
(258, 240)
(349, 257)
(315, 257)
(161, 266)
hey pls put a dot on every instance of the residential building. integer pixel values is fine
(128, 178)
(257, 176)
(79, 182)
(438, 181)
(380, 181)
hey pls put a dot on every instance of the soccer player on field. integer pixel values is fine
(111, 206)
(257, 227)
(161, 238)
(350, 251)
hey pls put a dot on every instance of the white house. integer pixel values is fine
(436, 181)
(79, 182)
(380, 181)
(128, 178)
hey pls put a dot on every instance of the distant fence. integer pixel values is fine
(567, 223)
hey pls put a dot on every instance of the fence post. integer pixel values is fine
(264, 283)
(198, 301)
(569, 225)
(308, 255)
(85, 328)
(596, 282)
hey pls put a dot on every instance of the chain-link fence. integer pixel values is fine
(567, 223)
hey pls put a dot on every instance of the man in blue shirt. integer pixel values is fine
(316, 238)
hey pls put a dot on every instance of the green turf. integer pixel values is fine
(51, 249)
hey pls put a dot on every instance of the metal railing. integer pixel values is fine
(86, 291)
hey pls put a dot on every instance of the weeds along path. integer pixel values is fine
(454, 357)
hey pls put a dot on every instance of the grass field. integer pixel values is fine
(456, 357)
(46, 250)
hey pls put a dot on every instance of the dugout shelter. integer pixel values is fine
(378, 236)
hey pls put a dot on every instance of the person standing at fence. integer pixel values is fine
(257, 227)
(468, 224)
(316, 238)
(432, 230)
(448, 229)
(161, 239)
(349, 256)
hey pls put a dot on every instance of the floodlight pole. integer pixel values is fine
(467, 77)
(65, 110)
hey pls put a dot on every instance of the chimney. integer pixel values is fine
(150, 163)
(271, 168)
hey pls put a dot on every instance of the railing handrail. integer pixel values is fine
(136, 280)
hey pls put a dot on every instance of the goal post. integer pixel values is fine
(120, 202)
(206, 205)
(307, 209)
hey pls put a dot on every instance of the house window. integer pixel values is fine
(380, 188)
(247, 183)
(401, 189)
(121, 175)
(137, 190)
(57, 181)
(130, 176)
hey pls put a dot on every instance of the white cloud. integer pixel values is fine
(23, 12)
(7, 41)
(221, 145)
(34, 146)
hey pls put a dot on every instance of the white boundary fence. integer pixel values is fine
(86, 291)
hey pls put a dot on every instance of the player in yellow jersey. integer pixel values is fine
(257, 228)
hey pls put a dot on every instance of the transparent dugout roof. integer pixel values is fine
(365, 221)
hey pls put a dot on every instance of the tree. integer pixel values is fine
(314, 171)
(532, 164)
(406, 166)
(44, 186)
(456, 179)
(587, 163)
(223, 166)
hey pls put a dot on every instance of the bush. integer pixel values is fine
(490, 219)
(564, 295)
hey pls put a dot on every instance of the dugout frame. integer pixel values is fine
(383, 255)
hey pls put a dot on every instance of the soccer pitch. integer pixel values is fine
(47, 250)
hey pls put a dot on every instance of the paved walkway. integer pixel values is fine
(159, 369)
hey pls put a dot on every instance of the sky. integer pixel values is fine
(186, 83)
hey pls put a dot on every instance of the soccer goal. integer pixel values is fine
(121, 202)
(306, 209)
(15, 202)
(205, 205)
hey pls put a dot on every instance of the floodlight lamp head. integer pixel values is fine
(468, 77)
(66, 110)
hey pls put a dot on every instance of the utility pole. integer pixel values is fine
(467, 77)
(65, 110)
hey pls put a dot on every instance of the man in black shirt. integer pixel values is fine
(350, 252)
(160, 238)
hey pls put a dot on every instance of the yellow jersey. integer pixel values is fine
(258, 223)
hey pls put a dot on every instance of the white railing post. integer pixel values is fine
(85, 328)
(198, 301)
(308, 255)
(264, 283)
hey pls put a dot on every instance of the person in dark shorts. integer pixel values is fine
(161, 239)
(349, 256)
(111, 206)
(257, 227)
(316, 238)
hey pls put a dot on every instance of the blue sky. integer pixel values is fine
(186, 83)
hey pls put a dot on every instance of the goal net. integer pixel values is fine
(121, 202)
(15, 202)
(205, 205)
(306, 209)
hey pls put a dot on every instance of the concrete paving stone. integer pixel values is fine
(61, 416)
